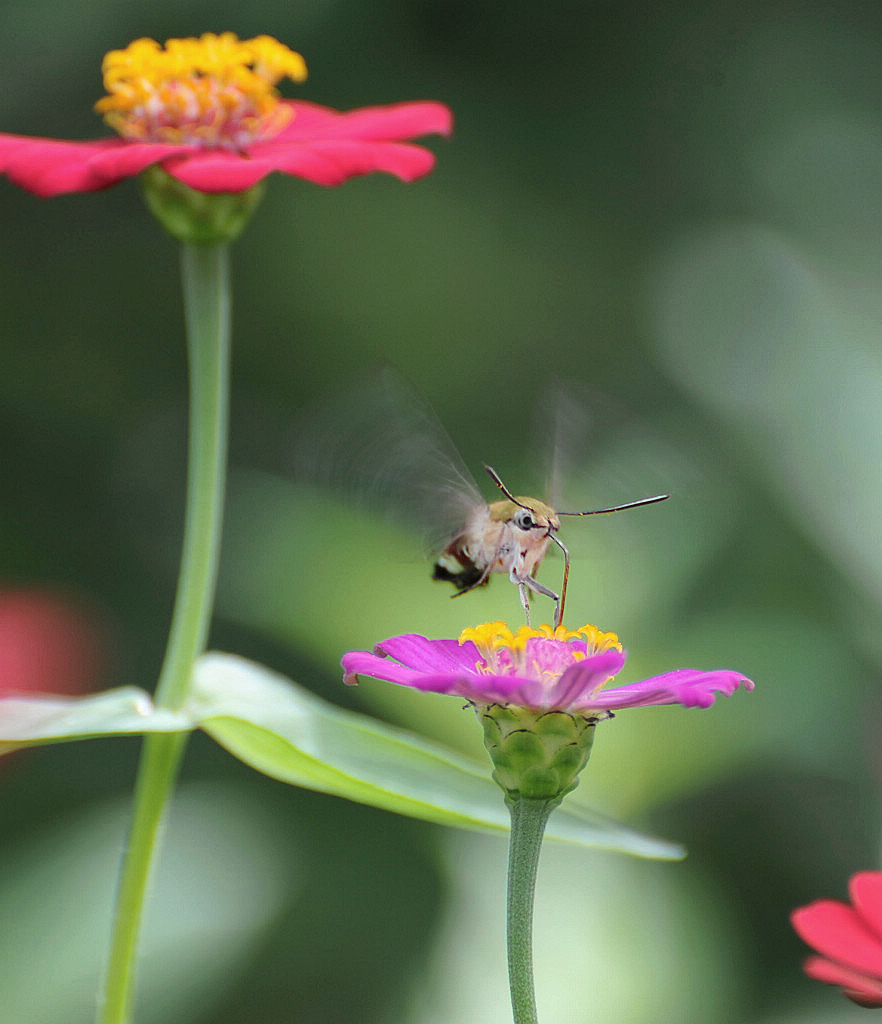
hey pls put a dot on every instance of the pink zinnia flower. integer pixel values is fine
(849, 939)
(540, 669)
(538, 693)
(207, 111)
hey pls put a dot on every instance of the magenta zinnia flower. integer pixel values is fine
(207, 111)
(849, 939)
(538, 693)
(541, 669)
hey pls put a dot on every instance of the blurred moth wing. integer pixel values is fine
(378, 445)
(381, 445)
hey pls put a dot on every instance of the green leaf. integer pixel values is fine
(29, 721)
(286, 732)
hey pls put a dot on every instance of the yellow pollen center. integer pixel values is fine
(216, 92)
(496, 636)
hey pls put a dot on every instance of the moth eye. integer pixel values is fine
(524, 520)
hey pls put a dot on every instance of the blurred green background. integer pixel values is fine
(678, 205)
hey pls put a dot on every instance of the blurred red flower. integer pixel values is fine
(849, 939)
(47, 644)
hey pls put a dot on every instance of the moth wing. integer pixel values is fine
(379, 445)
(597, 451)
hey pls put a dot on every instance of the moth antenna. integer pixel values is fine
(494, 476)
(615, 508)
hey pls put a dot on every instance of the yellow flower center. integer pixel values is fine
(216, 92)
(505, 652)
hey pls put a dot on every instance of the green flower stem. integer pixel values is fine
(528, 820)
(205, 272)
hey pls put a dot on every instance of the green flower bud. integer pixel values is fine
(536, 754)
(200, 218)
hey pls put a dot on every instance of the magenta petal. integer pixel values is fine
(363, 663)
(578, 686)
(412, 660)
(462, 682)
(483, 689)
(689, 687)
(417, 652)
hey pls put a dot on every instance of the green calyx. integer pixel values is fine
(536, 754)
(200, 218)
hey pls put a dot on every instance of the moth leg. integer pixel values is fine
(525, 582)
(525, 599)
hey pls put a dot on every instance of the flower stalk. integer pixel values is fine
(528, 820)
(202, 123)
(205, 271)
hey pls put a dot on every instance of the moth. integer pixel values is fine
(512, 536)
(380, 444)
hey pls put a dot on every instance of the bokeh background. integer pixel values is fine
(677, 207)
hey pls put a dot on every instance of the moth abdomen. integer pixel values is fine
(454, 566)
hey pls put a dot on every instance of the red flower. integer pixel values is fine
(208, 112)
(849, 939)
(47, 644)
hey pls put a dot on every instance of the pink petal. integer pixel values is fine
(50, 167)
(858, 987)
(128, 159)
(837, 931)
(218, 170)
(326, 147)
(865, 889)
(393, 122)
(321, 145)
(324, 162)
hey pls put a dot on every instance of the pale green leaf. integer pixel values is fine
(288, 733)
(28, 721)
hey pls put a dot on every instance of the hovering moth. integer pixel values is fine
(512, 536)
(380, 444)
